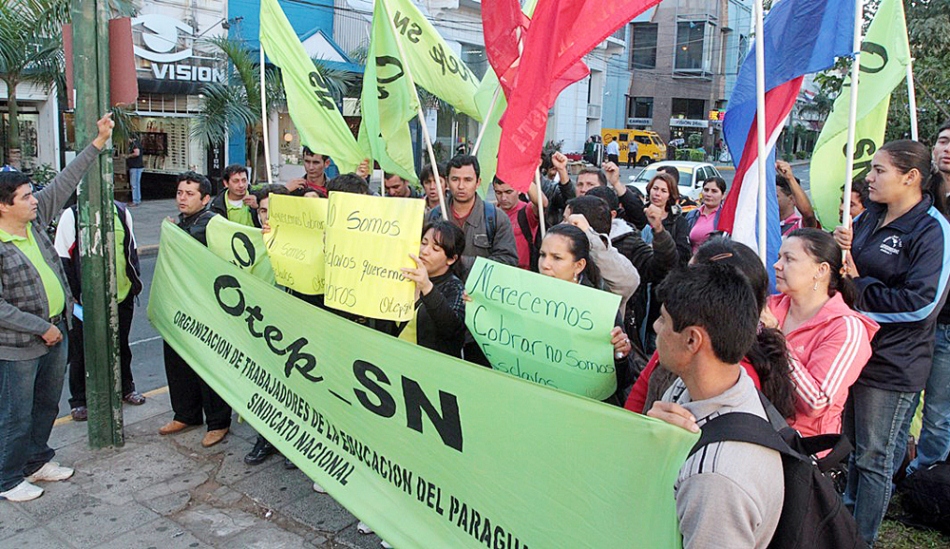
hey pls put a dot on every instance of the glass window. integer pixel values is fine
(690, 36)
(643, 46)
(641, 107)
(643, 139)
(694, 109)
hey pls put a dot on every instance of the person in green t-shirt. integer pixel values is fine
(235, 203)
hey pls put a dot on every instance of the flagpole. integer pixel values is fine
(760, 127)
(852, 114)
(264, 122)
(540, 191)
(912, 100)
(419, 113)
(491, 110)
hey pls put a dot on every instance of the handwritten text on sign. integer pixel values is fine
(369, 239)
(543, 329)
(296, 242)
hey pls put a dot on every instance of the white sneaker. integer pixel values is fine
(318, 489)
(22, 492)
(51, 472)
(385, 545)
(363, 528)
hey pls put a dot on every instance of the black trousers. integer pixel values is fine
(77, 360)
(190, 395)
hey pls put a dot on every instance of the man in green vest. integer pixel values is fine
(235, 203)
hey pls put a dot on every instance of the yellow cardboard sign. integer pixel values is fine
(369, 239)
(296, 242)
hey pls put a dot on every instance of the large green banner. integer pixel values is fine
(543, 329)
(239, 245)
(429, 450)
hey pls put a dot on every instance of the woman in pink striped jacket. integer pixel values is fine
(829, 343)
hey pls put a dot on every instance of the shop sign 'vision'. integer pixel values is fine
(164, 38)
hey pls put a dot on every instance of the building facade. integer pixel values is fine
(684, 58)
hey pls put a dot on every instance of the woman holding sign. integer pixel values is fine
(565, 255)
(440, 317)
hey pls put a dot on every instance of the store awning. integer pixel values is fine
(321, 46)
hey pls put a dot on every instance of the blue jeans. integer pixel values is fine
(934, 442)
(135, 179)
(29, 403)
(874, 420)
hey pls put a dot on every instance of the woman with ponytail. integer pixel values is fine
(899, 259)
(829, 342)
(767, 363)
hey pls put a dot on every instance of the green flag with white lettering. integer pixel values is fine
(884, 57)
(311, 106)
(433, 64)
(388, 101)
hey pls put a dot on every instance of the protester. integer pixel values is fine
(190, 395)
(591, 215)
(730, 494)
(859, 197)
(440, 317)
(128, 286)
(703, 220)
(766, 363)
(524, 220)
(36, 310)
(934, 444)
(559, 192)
(898, 259)
(432, 188)
(794, 208)
(487, 234)
(235, 203)
(631, 203)
(590, 178)
(566, 254)
(828, 341)
(397, 187)
(136, 165)
(315, 166)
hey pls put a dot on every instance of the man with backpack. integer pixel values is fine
(524, 221)
(487, 234)
(728, 494)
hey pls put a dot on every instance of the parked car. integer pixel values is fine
(692, 177)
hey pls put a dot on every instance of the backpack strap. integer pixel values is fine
(491, 221)
(532, 239)
(743, 427)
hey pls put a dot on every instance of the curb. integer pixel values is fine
(148, 250)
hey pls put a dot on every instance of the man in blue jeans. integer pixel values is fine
(136, 165)
(35, 309)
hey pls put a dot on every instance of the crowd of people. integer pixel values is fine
(853, 332)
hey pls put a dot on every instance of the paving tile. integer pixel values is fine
(12, 520)
(158, 534)
(100, 522)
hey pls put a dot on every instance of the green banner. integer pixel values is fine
(429, 450)
(543, 329)
(488, 148)
(884, 57)
(296, 242)
(369, 239)
(388, 101)
(433, 64)
(239, 245)
(309, 102)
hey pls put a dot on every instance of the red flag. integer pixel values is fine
(554, 44)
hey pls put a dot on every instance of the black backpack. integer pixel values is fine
(813, 514)
(926, 496)
(534, 241)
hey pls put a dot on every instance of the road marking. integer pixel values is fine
(149, 394)
(146, 340)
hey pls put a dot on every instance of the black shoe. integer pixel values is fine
(261, 451)
(289, 464)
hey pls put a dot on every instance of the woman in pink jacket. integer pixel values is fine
(829, 342)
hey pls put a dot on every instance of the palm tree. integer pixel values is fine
(30, 52)
(237, 102)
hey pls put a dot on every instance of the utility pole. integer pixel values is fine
(96, 228)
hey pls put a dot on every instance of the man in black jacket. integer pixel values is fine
(235, 203)
(128, 285)
(189, 394)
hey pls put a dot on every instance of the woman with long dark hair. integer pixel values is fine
(703, 220)
(767, 363)
(829, 342)
(899, 258)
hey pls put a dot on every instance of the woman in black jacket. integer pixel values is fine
(440, 317)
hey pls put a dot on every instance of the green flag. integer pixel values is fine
(311, 106)
(433, 65)
(388, 101)
(427, 449)
(488, 147)
(240, 245)
(884, 57)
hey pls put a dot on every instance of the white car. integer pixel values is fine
(692, 177)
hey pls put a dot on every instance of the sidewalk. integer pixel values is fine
(170, 493)
(147, 222)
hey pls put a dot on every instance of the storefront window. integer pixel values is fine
(643, 46)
